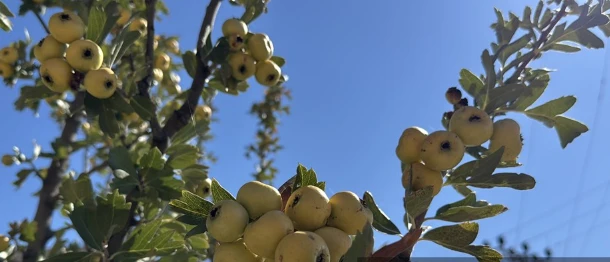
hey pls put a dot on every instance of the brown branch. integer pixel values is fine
(401, 249)
(49, 194)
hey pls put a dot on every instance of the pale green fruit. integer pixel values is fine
(302, 246)
(337, 241)
(56, 74)
(84, 55)
(66, 27)
(260, 47)
(308, 207)
(234, 26)
(263, 235)
(409, 145)
(101, 83)
(227, 221)
(259, 198)
(49, 48)
(233, 252)
(507, 133)
(442, 150)
(242, 66)
(472, 125)
(423, 178)
(348, 213)
(267, 73)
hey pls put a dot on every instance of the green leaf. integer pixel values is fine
(167, 187)
(219, 193)
(123, 181)
(78, 192)
(362, 245)
(490, 74)
(321, 185)
(418, 202)
(147, 240)
(153, 159)
(85, 220)
(463, 190)
(547, 111)
(472, 84)
(514, 47)
(278, 60)
(502, 95)
(28, 230)
(118, 103)
(22, 175)
(470, 213)
(536, 88)
(454, 235)
(5, 23)
(112, 15)
(124, 40)
(568, 129)
(93, 105)
(564, 48)
(119, 159)
(75, 257)
(538, 12)
(482, 253)
(512, 180)
(194, 208)
(381, 221)
(199, 229)
(182, 155)
(190, 62)
(144, 107)
(108, 123)
(253, 10)
(220, 52)
(469, 200)
(583, 37)
(95, 25)
(190, 131)
(5, 10)
(304, 177)
(112, 213)
(481, 167)
(476, 151)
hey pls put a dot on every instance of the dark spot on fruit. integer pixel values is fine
(87, 54)
(65, 17)
(206, 190)
(474, 118)
(342, 259)
(5, 52)
(109, 84)
(363, 203)
(142, 28)
(281, 258)
(41, 42)
(239, 39)
(311, 237)
(271, 78)
(48, 79)
(445, 145)
(1, 72)
(463, 102)
(321, 258)
(296, 200)
(243, 69)
(215, 212)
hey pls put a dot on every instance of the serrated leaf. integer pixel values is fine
(470, 213)
(27, 231)
(123, 181)
(502, 95)
(304, 177)
(418, 202)
(119, 159)
(163, 183)
(482, 253)
(568, 129)
(278, 60)
(199, 229)
(564, 48)
(182, 155)
(454, 235)
(144, 107)
(74, 257)
(78, 192)
(147, 240)
(468, 200)
(481, 167)
(190, 131)
(189, 59)
(219, 193)
(362, 245)
(512, 180)
(321, 185)
(153, 159)
(472, 84)
(5, 10)
(112, 213)
(194, 207)
(547, 111)
(381, 221)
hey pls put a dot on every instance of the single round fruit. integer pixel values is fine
(139, 24)
(236, 42)
(8, 160)
(101, 83)
(157, 74)
(263, 235)
(133, 117)
(242, 65)
(66, 27)
(203, 112)
(309, 208)
(234, 26)
(442, 150)
(6, 70)
(227, 221)
(162, 62)
(233, 252)
(348, 213)
(472, 125)
(260, 47)
(203, 190)
(4, 243)
(507, 133)
(302, 246)
(259, 198)
(9, 55)
(268, 73)
(56, 74)
(84, 55)
(337, 241)
(173, 46)
(173, 89)
(423, 178)
(124, 18)
(453, 95)
(49, 48)
(409, 145)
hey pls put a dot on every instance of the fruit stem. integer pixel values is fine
(44, 25)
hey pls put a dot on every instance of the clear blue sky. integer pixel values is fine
(360, 73)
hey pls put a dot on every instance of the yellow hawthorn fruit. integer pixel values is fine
(236, 42)
(173, 46)
(84, 55)
(4, 243)
(101, 83)
(453, 95)
(242, 65)
(48, 48)
(260, 47)
(124, 18)
(337, 241)
(259, 198)
(203, 190)
(6, 70)
(348, 213)
(56, 74)
(233, 252)
(309, 208)
(157, 74)
(472, 125)
(234, 26)
(9, 55)
(423, 177)
(302, 246)
(66, 27)
(8, 160)
(227, 221)
(162, 61)
(268, 73)
(507, 133)
(173, 89)
(442, 150)
(409, 145)
(139, 24)
(263, 235)
(133, 117)
(203, 112)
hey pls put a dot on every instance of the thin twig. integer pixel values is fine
(97, 168)
(44, 25)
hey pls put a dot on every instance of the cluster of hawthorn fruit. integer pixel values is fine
(426, 155)
(257, 226)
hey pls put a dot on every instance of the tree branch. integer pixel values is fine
(49, 194)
